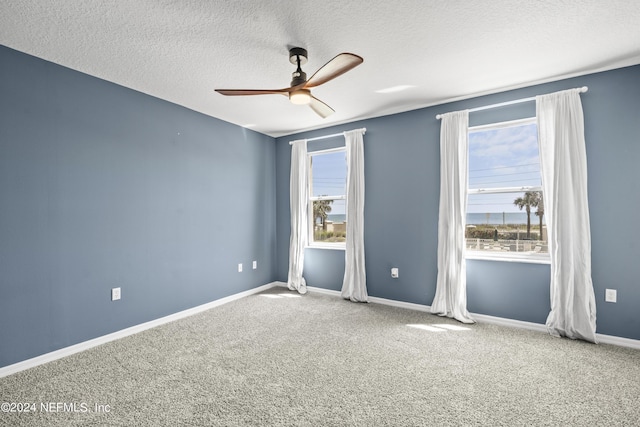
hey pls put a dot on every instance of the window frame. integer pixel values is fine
(534, 258)
(311, 243)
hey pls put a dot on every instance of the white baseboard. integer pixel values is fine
(539, 327)
(375, 300)
(622, 342)
(511, 323)
(76, 348)
(482, 318)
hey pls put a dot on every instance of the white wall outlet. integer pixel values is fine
(240, 268)
(255, 264)
(115, 294)
(610, 295)
(394, 273)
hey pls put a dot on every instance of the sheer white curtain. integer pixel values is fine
(354, 286)
(451, 287)
(298, 191)
(563, 162)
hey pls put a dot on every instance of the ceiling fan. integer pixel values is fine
(300, 90)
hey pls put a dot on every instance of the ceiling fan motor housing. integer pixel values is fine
(298, 78)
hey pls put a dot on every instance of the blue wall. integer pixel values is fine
(102, 186)
(402, 170)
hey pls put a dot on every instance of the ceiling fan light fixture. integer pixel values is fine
(300, 96)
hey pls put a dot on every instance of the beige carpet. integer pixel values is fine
(277, 358)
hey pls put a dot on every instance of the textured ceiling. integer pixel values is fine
(182, 50)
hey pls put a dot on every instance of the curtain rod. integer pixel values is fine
(504, 104)
(333, 135)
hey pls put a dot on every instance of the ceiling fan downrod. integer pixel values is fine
(298, 56)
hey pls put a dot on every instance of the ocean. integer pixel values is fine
(336, 217)
(494, 218)
(498, 218)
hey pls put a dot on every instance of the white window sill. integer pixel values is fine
(524, 258)
(337, 246)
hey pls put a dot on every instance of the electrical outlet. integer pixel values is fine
(115, 294)
(610, 295)
(255, 264)
(394, 273)
(240, 268)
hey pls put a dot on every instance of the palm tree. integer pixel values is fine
(540, 211)
(321, 209)
(529, 200)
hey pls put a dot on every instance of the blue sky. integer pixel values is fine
(330, 178)
(503, 157)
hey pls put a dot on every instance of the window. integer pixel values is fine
(505, 211)
(327, 197)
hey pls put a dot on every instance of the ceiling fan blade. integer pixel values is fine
(334, 68)
(236, 92)
(322, 109)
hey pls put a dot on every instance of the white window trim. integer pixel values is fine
(310, 242)
(504, 190)
(531, 258)
(512, 257)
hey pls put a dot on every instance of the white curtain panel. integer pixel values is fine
(451, 287)
(354, 286)
(563, 162)
(298, 191)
